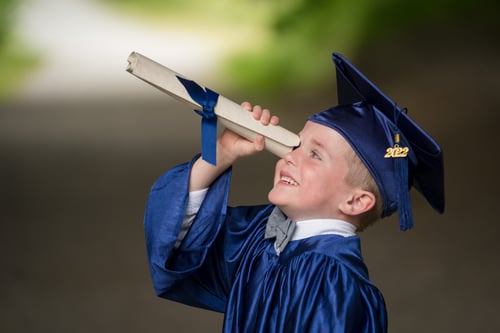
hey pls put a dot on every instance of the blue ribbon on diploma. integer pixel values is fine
(207, 99)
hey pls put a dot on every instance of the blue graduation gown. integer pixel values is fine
(318, 284)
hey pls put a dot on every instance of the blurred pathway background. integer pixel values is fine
(77, 141)
(85, 45)
(82, 141)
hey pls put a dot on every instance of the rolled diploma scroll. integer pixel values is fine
(231, 115)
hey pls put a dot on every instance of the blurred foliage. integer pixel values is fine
(16, 62)
(214, 12)
(294, 38)
(6, 7)
(305, 32)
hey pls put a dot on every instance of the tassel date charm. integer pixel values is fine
(396, 151)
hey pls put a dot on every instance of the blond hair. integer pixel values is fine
(359, 176)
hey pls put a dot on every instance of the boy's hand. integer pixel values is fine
(232, 146)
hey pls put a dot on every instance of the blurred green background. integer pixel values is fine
(81, 142)
(283, 42)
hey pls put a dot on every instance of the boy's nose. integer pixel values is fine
(290, 157)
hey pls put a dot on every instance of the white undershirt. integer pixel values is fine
(303, 229)
(315, 227)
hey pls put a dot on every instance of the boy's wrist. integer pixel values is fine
(225, 157)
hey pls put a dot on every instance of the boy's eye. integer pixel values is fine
(315, 155)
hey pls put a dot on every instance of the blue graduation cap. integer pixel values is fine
(397, 152)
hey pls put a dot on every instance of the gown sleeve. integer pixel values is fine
(178, 274)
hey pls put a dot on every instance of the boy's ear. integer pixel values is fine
(358, 203)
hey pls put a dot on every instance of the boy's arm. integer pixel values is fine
(230, 147)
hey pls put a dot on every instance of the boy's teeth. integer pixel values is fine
(288, 180)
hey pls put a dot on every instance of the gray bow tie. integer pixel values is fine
(280, 227)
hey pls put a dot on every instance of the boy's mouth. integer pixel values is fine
(288, 180)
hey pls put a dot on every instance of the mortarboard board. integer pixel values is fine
(397, 152)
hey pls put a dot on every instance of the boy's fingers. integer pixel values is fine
(265, 117)
(259, 143)
(257, 112)
(247, 106)
(275, 120)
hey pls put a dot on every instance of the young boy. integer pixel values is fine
(294, 265)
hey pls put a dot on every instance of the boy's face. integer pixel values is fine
(309, 182)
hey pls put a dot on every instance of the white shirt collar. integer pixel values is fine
(315, 227)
